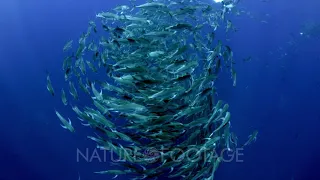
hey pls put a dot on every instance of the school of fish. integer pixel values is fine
(149, 72)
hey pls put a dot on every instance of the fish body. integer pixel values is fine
(73, 91)
(234, 77)
(49, 85)
(151, 5)
(67, 46)
(252, 138)
(63, 97)
(65, 124)
(156, 53)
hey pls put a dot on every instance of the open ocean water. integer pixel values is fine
(277, 93)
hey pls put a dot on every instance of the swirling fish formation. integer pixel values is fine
(152, 69)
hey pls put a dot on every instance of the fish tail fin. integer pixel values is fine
(64, 127)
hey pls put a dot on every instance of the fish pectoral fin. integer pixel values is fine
(85, 124)
(64, 127)
(171, 169)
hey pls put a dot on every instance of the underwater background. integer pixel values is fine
(278, 91)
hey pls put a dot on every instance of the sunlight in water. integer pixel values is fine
(217, 1)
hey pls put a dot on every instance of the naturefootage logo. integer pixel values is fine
(151, 155)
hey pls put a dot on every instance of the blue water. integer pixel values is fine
(278, 92)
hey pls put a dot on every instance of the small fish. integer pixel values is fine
(82, 66)
(121, 8)
(67, 63)
(156, 53)
(229, 25)
(63, 97)
(100, 107)
(115, 172)
(49, 85)
(92, 67)
(151, 5)
(252, 138)
(160, 34)
(125, 80)
(97, 95)
(122, 136)
(107, 15)
(93, 25)
(225, 121)
(67, 73)
(83, 87)
(234, 77)
(233, 139)
(67, 46)
(166, 93)
(73, 91)
(247, 59)
(66, 124)
(180, 26)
